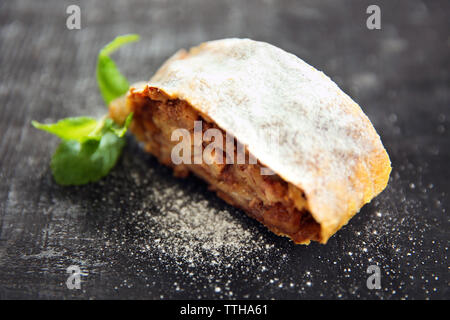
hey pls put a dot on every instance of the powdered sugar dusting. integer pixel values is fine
(187, 231)
(185, 228)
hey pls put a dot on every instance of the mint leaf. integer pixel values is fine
(111, 82)
(70, 128)
(76, 163)
(90, 148)
(117, 129)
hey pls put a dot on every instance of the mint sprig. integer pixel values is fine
(75, 163)
(90, 148)
(111, 82)
(77, 128)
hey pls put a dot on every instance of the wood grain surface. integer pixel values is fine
(142, 234)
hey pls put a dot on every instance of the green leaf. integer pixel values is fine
(117, 129)
(76, 163)
(90, 148)
(77, 128)
(118, 42)
(111, 82)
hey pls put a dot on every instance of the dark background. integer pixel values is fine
(140, 233)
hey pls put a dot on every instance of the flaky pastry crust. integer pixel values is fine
(325, 148)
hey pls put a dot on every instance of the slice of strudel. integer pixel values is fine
(268, 132)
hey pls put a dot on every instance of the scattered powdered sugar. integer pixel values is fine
(210, 249)
(185, 225)
(142, 229)
(189, 231)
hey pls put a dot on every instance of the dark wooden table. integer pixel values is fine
(140, 233)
